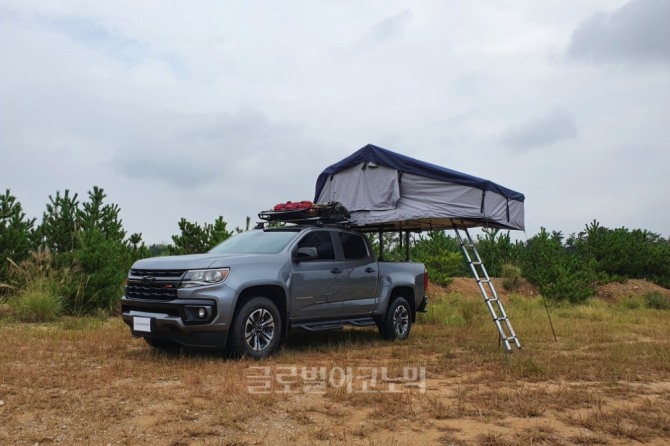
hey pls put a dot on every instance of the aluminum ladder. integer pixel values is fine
(505, 330)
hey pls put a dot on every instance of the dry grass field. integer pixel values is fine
(604, 381)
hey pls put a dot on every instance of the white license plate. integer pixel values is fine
(142, 324)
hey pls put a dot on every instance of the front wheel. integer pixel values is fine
(256, 330)
(397, 321)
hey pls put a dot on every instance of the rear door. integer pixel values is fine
(316, 284)
(358, 295)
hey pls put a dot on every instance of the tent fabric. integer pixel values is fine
(386, 190)
(374, 187)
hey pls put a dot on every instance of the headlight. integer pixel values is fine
(200, 277)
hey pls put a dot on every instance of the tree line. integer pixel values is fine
(563, 268)
(77, 257)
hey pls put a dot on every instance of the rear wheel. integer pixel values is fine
(256, 329)
(397, 322)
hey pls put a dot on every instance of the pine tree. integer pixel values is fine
(102, 253)
(15, 232)
(95, 215)
(60, 223)
(198, 239)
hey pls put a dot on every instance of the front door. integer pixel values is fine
(315, 284)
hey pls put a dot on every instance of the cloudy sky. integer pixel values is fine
(207, 108)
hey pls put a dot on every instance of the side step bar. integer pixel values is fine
(334, 325)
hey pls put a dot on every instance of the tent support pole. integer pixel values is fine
(407, 256)
(381, 245)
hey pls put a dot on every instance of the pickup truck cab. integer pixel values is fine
(247, 292)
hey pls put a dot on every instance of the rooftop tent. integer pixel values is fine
(386, 190)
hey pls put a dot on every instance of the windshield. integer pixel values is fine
(255, 242)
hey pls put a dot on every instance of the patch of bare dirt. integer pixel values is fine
(467, 286)
(631, 288)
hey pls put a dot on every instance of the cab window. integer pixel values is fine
(323, 243)
(354, 246)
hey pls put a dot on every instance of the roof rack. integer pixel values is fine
(314, 221)
(299, 219)
(319, 214)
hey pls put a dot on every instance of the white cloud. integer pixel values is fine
(553, 126)
(225, 108)
(386, 30)
(636, 32)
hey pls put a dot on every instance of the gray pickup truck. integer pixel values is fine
(246, 293)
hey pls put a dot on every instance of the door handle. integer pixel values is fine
(336, 270)
(369, 270)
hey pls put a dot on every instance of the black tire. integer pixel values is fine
(256, 329)
(397, 322)
(162, 344)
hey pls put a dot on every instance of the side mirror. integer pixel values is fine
(306, 253)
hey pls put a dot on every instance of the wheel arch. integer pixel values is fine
(273, 292)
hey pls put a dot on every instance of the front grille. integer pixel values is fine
(158, 291)
(174, 274)
(153, 284)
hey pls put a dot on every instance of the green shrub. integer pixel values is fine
(559, 274)
(443, 268)
(6, 310)
(656, 300)
(16, 233)
(104, 264)
(437, 312)
(453, 310)
(574, 287)
(37, 302)
(632, 303)
(442, 256)
(469, 309)
(496, 249)
(511, 277)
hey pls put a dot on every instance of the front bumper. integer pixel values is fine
(179, 320)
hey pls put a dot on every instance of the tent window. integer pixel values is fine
(375, 188)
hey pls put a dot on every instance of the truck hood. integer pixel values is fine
(198, 261)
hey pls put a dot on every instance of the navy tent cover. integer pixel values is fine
(384, 189)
